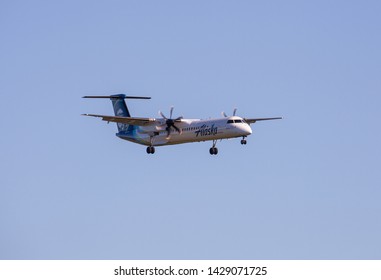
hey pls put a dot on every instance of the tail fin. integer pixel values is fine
(120, 108)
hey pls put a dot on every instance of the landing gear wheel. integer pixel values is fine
(150, 150)
(213, 151)
(243, 142)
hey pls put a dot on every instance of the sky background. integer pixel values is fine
(305, 187)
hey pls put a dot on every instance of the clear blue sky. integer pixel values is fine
(305, 187)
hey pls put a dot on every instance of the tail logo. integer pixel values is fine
(121, 126)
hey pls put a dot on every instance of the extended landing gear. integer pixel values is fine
(243, 141)
(213, 150)
(150, 150)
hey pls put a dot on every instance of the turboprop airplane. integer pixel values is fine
(153, 132)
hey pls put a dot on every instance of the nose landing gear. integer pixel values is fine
(243, 141)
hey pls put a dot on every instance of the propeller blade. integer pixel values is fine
(177, 129)
(234, 111)
(169, 122)
(224, 114)
(168, 129)
(161, 114)
(170, 114)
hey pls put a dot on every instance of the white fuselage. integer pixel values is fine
(192, 130)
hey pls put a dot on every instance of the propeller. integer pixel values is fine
(170, 123)
(234, 112)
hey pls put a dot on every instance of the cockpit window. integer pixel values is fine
(235, 121)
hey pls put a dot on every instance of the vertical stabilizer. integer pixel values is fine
(120, 108)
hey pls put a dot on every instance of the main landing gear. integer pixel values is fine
(150, 150)
(213, 150)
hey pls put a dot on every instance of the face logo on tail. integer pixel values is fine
(121, 126)
(119, 113)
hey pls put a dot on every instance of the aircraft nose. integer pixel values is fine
(246, 129)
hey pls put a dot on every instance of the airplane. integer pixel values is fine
(154, 132)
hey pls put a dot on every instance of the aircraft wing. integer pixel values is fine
(261, 119)
(126, 120)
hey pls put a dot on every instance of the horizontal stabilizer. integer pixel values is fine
(125, 120)
(121, 96)
(262, 119)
